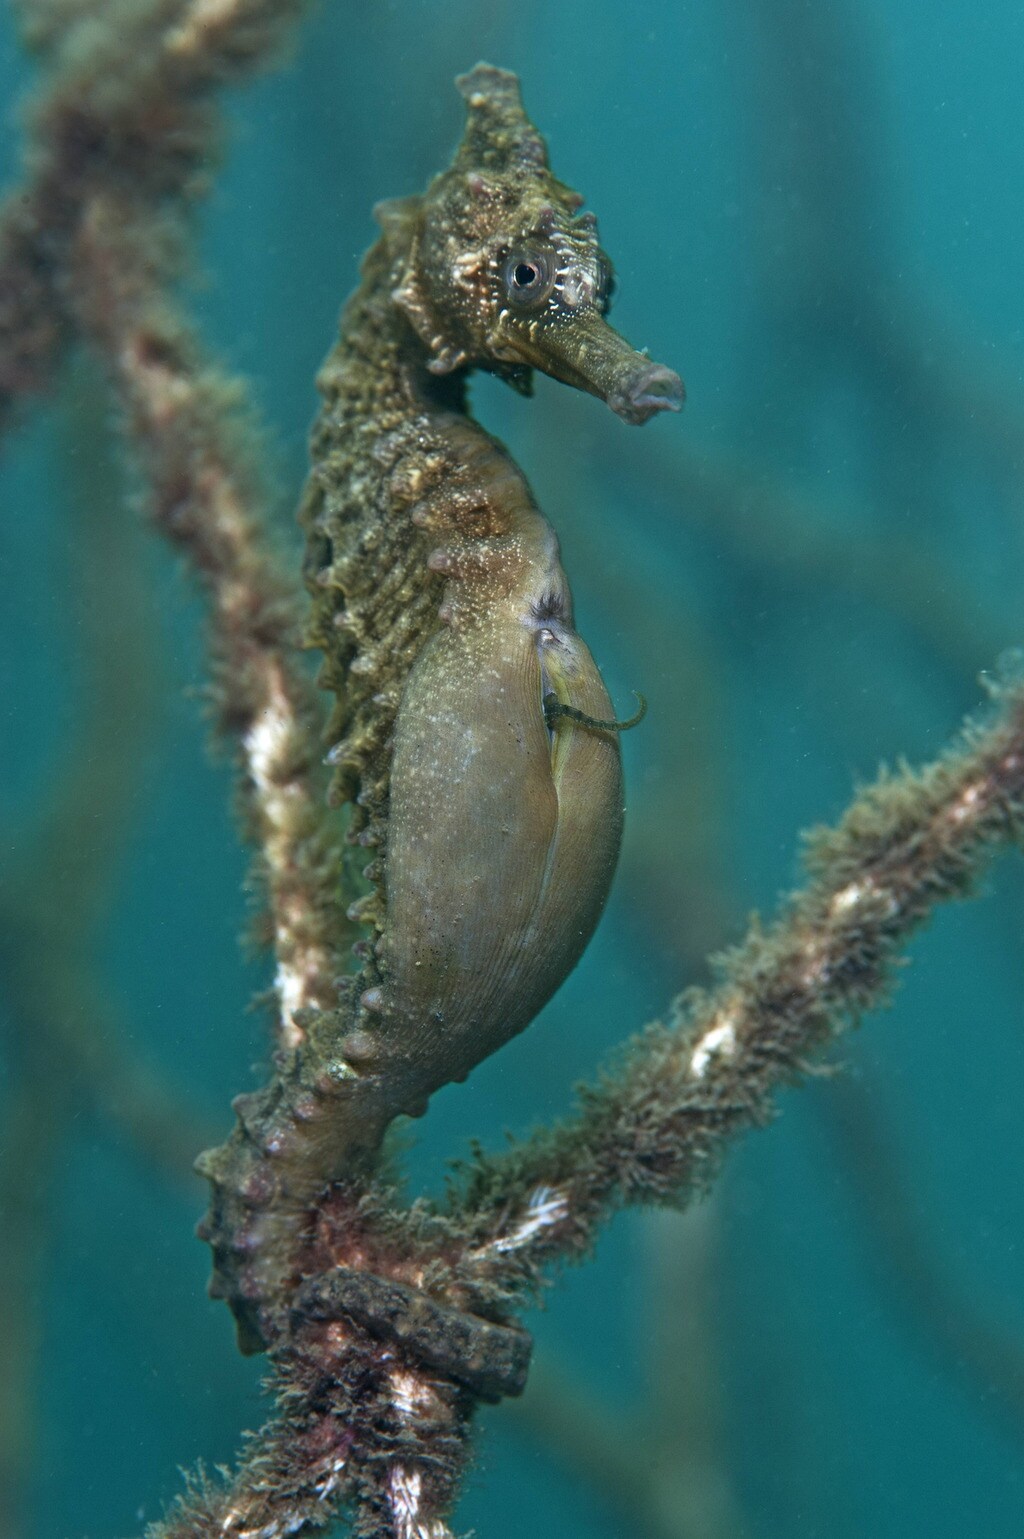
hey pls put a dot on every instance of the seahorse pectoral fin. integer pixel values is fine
(556, 710)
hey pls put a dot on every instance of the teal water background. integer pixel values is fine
(815, 214)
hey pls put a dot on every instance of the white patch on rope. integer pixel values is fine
(265, 744)
(405, 1489)
(720, 1039)
(268, 744)
(189, 36)
(411, 1396)
(849, 896)
(545, 1208)
(965, 803)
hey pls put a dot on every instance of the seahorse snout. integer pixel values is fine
(655, 388)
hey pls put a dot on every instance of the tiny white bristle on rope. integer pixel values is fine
(545, 1208)
(719, 1039)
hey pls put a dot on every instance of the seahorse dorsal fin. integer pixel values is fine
(394, 214)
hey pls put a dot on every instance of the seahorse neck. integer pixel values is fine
(384, 358)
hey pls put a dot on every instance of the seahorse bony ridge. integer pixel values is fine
(445, 622)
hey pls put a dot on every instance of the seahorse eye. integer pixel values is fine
(529, 276)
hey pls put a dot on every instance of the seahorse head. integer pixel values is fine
(504, 273)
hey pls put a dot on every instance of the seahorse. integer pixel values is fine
(472, 736)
